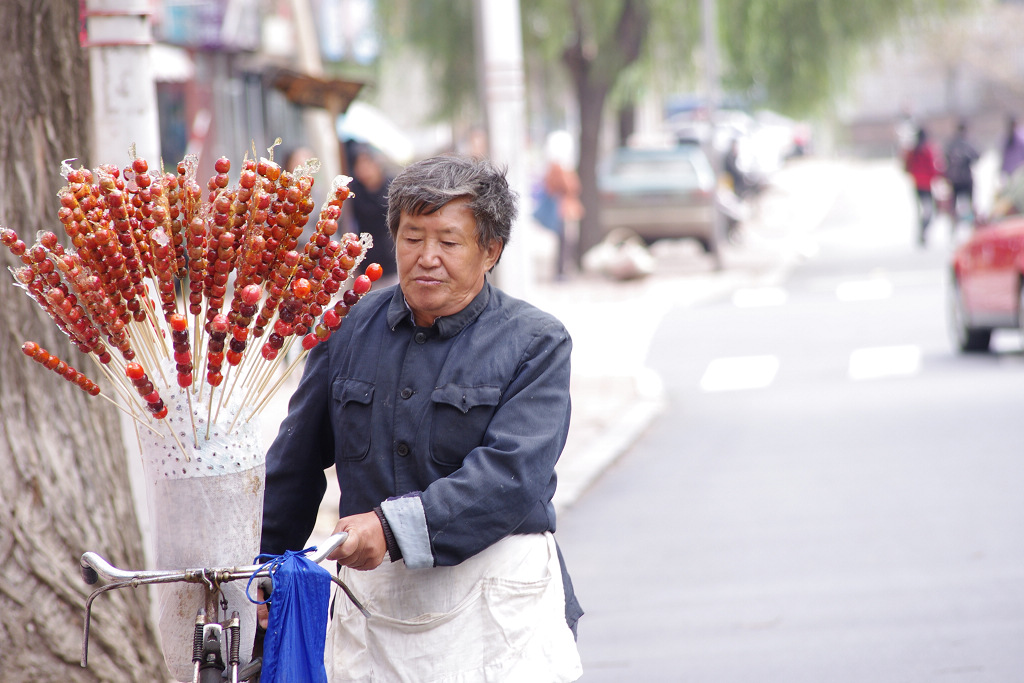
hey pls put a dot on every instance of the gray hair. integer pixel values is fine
(427, 185)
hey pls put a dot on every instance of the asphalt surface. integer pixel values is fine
(830, 493)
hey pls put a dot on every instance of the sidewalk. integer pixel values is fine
(615, 396)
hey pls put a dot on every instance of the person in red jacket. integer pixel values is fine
(924, 164)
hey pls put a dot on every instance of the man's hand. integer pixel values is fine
(365, 547)
(262, 611)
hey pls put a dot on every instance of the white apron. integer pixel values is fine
(498, 616)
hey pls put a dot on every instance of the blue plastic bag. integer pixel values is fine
(293, 649)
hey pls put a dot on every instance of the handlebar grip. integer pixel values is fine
(89, 575)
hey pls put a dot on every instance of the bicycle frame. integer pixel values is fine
(209, 626)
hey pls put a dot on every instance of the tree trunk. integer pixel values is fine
(591, 101)
(64, 487)
(593, 73)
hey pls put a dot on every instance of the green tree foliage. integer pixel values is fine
(791, 55)
(796, 54)
(440, 32)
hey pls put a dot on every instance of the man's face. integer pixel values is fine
(441, 265)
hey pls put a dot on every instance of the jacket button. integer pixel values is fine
(420, 337)
(402, 449)
(406, 393)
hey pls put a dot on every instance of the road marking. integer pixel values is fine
(884, 361)
(757, 297)
(864, 290)
(743, 372)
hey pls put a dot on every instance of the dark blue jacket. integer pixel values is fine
(453, 429)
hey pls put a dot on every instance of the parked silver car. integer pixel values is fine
(660, 193)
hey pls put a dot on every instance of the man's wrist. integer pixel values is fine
(394, 552)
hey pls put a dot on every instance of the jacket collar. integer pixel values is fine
(446, 325)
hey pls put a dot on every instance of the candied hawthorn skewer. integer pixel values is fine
(182, 349)
(163, 270)
(183, 362)
(145, 388)
(154, 404)
(118, 215)
(279, 280)
(333, 317)
(197, 252)
(62, 368)
(219, 328)
(173, 200)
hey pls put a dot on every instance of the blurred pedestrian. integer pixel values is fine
(960, 158)
(1013, 149)
(559, 208)
(731, 166)
(924, 165)
(369, 206)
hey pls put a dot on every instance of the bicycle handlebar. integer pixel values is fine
(94, 567)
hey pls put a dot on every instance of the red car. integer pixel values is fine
(987, 284)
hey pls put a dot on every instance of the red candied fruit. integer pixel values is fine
(269, 352)
(251, 294)
(219, 324)
(361, 284)
(309, 341)
(30, 348)
(374, 271)
(134, 371)
(178, 322)
(353, 248)
(185, 380)
(222, 165)
(301, 288)
(161, 414)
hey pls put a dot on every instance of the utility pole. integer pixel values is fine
(709, 15)
(500, 68)
(118, 35)
(320, 125)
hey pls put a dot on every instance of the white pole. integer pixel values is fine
(500, 48)
(119, 38)
(320, 124)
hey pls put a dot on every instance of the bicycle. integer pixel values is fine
(211, 627)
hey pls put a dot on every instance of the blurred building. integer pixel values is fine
(938, 71)
(230, 73)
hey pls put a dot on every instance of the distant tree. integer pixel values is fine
(793, 55)
(64, 487)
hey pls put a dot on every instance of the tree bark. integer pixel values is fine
(594, 72)
(64, 487)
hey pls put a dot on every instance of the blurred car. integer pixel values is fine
(660, 193)
(986, 285)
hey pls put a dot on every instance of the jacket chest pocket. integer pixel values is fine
(353, 406)
(461, 417)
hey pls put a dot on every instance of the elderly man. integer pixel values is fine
(444, 404)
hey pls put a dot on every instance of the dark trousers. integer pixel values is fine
(965, 191)
(925, 211)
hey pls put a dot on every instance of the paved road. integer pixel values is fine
(831, 493)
